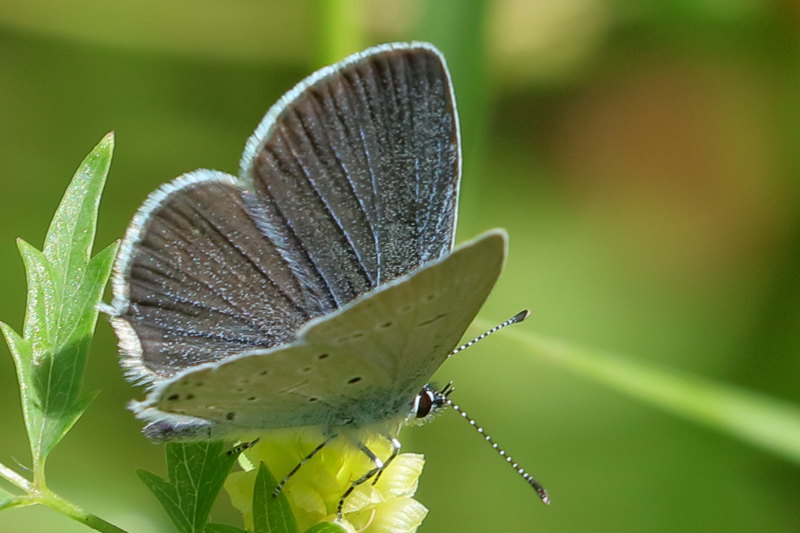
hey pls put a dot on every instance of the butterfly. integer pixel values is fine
(320, 286)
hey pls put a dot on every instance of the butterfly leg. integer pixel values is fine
(239, 448)
(303, 461)
(376, 472)
(395, 451)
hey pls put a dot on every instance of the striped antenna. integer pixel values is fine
(515, 465)
(519, 317)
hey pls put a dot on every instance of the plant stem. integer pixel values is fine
(61, 505)
(49, 499)
(15, 479)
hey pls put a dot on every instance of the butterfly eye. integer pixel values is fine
(423, 403)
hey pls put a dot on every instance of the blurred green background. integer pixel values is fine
(643, 156)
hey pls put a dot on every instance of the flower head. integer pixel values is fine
(314, 491)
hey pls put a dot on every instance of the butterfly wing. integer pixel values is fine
(350, 181)
(196, 280)
(357, 169)
(361, 364)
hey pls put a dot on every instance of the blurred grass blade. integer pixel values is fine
(64, 287)
(270, 514)
(196, 473)
(764, 422)
(339, 30)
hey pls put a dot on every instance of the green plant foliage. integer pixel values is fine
(326, 527)
(222, 528)
(6, 499)
(768, 423)
(271, 514)
(196, 473)
(64, 286)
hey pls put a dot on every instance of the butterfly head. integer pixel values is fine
(428, 402)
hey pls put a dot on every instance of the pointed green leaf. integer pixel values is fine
(81, 312)
(326, 527)
(58, 377)
(22, 352)
(167, 496)
(196, 473)
(55, 387)
(43, 297)
(51, 374)
(64, 288)
(222, 528)
(68, 244)
(271, 514)
(768, 423)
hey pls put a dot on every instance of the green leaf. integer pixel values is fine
(271, 514)
(222, 528)
(196, 473)
(43, 297)
(81, 312)
(64, 288)
(22, 353)
(68, 245)
(51, 373)
(767, 423)
(326, 527)
(58, 377)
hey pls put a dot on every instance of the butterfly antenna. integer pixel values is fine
(515, 465)
(519, 317)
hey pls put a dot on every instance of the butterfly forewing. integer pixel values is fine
(359, 365)
(201, 282)
(360, 172)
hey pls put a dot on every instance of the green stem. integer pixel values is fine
(15, 479)
(44, 497)
(64, 507)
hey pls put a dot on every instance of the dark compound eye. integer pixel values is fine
(423, 403)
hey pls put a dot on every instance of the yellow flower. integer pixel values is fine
(315, 489)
